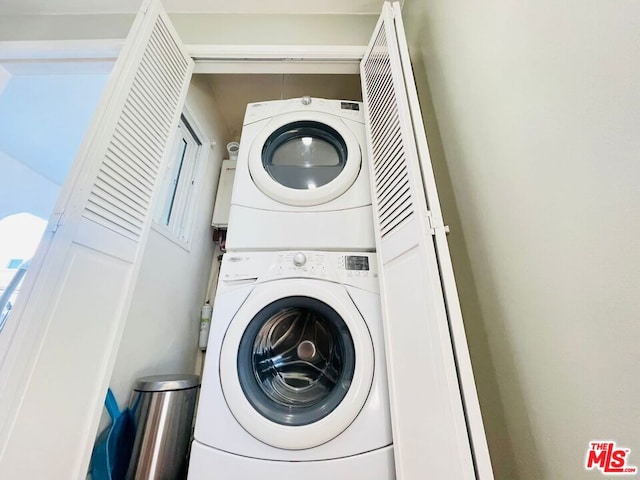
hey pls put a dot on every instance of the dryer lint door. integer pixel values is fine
(296, 364)
(305, 158)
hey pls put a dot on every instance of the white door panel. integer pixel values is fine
(434, 408)
(70, 316)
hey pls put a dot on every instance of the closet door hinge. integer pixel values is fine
(55, 221)
(434, 224)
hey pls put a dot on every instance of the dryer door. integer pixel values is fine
(305, 158)
(296, 364)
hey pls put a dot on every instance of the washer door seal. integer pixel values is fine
(296, 361)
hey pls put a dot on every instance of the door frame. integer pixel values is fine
(88, 56)
(59, 56)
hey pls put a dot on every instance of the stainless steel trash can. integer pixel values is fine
(162, 407)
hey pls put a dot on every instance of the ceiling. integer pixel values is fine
(233, 92)
(194, 6)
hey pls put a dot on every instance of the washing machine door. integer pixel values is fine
(305, 158)
(296, 364)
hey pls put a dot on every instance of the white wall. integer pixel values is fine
(161, 333)
(64, 27)
(274, 29)
(534, 129)
(199, 28)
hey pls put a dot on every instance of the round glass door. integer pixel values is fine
(305, 158)
(304, 155)
(296, 361)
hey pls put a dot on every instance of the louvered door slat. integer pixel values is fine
(129, 165)
(124, 209)
(172, 57)
(389, 156)
(149, 72)
(112, 174)
(166, 37)
(125, 182)
(390, 144)
(157, 49)
(145, 78)
(141, 101)
(140, 140)
(388, 122)
(394, 162)
(104, 213)
(135, 116)
(135, 156)
(132, 201)
(395, 171)
(392, 180)
(394, 202)
(137, 149)
(114, 180)
(139, 106)
(394, 209)
(142, 136)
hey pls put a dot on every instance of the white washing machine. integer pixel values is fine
(294, 385)
(302, 178)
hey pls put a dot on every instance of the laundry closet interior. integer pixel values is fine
(220, 99)
(173, 272)
(220, 96)
(216, 103)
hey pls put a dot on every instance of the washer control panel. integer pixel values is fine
(357, 269)
(316, 264)
(306, 263)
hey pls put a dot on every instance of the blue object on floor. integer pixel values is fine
(112, 450)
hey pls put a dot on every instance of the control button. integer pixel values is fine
(306, 100)
(299, 259)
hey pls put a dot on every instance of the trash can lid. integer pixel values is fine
(165, 383)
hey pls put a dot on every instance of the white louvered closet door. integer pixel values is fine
(437, 427)
(71, 313)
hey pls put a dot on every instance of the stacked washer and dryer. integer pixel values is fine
(294, 384)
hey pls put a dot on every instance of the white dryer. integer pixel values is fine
(302, 179)
(294, 385)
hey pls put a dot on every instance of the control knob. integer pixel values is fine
(299, 259)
